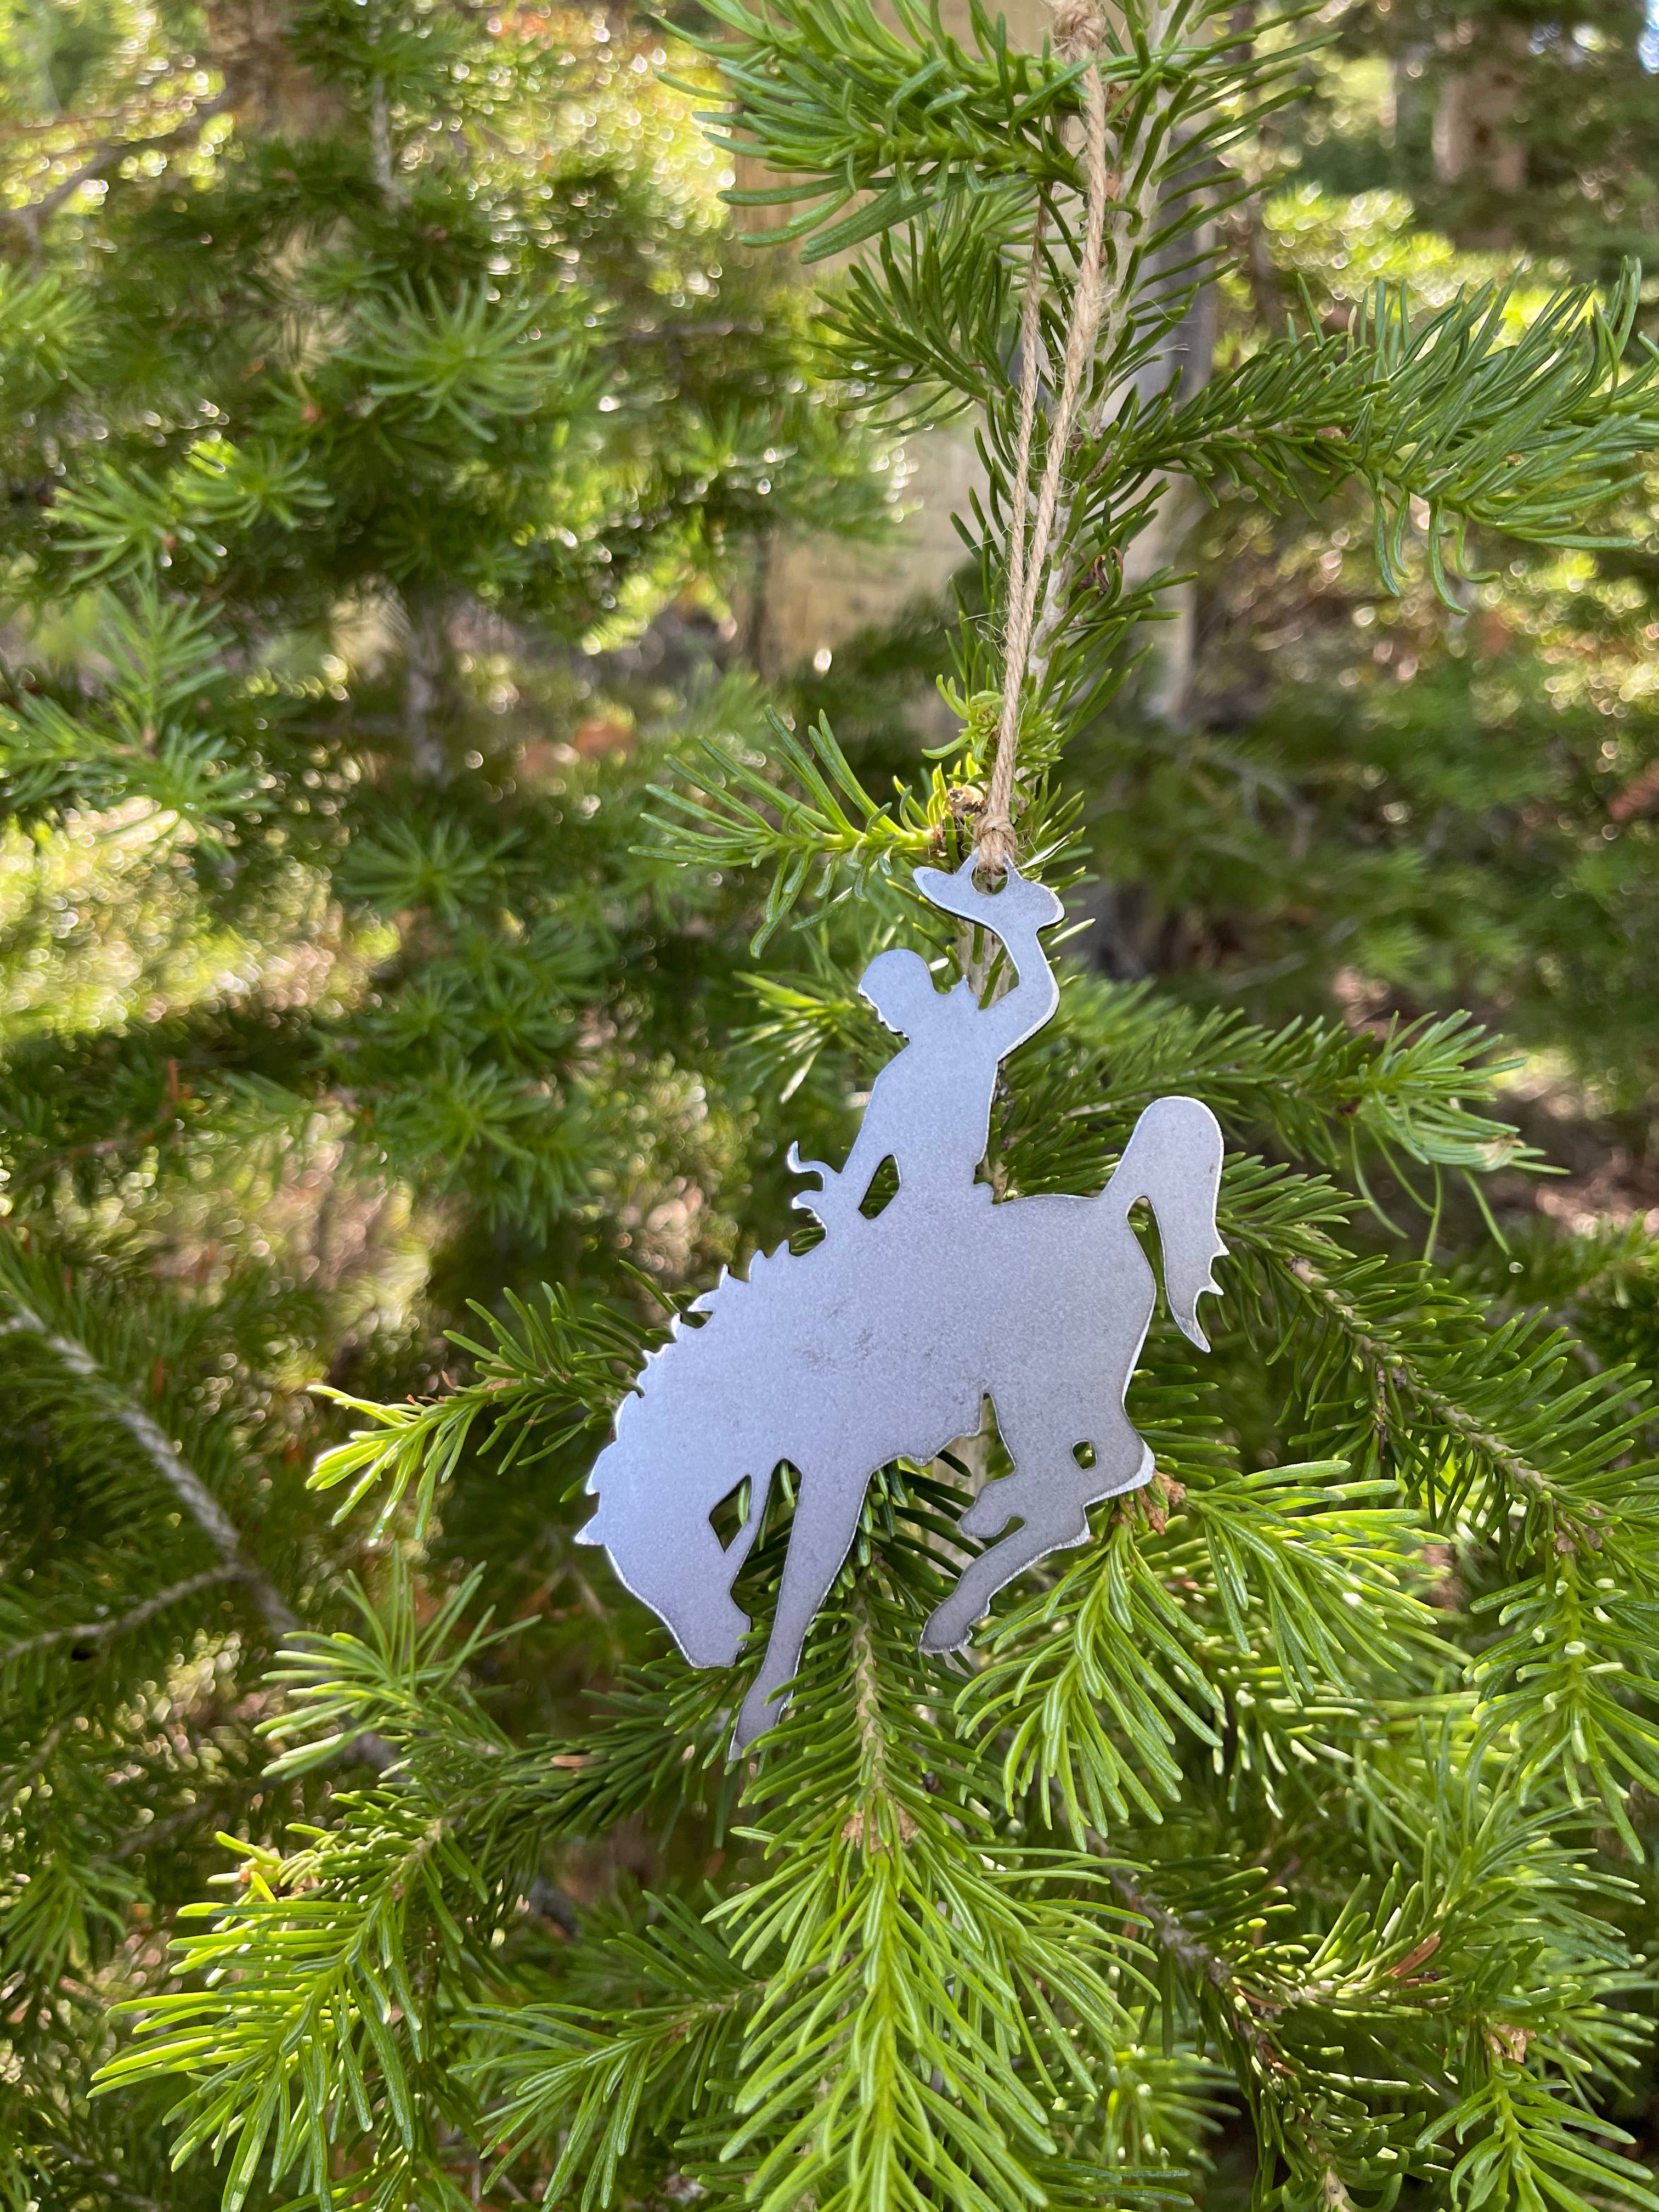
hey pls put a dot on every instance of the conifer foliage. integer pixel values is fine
(370, 379)
(1314, 1787)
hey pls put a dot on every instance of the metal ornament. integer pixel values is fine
(883, 1340)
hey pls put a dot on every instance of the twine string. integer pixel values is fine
(1032, 353)
(1077, 32)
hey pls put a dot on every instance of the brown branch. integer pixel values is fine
(197, 1498)
(1386, 1361)
(382, 151)
(95, 1148)
(112, 2182)
(42, 1759)
(105, 157)
(122, 1623)
(1204, 1962)
(1239, 2008)
(180, 1476)
(188, 1817)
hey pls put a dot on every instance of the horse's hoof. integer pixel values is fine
(758, 1712)
(990, 1512)
(943, 1634)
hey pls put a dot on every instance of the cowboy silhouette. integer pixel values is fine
(930, 1108)
(884, 1343)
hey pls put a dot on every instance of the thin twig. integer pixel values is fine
(1386, 1364)
(194, 1495)
(382, 152)
(98, 1148)
(121, 1624)
(1239, 2007)
(112, 2182)
(38, 1765)
(181, 1479)
(106, 157)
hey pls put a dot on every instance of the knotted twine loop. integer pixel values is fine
(1078, 31)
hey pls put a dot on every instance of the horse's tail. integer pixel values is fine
(1173, 1160)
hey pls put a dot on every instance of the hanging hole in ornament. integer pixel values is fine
(884, 1190)
(1084, 1454)
(731, 1517)
(988, 879)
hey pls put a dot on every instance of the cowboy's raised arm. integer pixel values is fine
(1021, 1013)
(1014, 913)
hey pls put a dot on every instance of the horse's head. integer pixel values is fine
(663, 1548)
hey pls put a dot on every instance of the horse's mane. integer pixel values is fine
(731, 1290)
(716, 1315)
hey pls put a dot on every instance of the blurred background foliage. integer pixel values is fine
(399, 451)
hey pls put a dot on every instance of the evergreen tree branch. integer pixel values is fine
(1392, 1370)
(346, 1956)
(1244, 2021)
(1312, 1088)
(588, 2086)
(104, 157)
(192, 1493)
(122, 1623)
(238, 1567)
(839, 105)
(1385, 1991)
(1426, 1385)
(559, 1374)
(1522, 433)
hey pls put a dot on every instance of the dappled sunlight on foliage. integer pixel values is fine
(423, 932)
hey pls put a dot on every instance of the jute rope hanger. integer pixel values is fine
(1078, 31)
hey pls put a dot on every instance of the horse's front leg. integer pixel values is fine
(826, 1521)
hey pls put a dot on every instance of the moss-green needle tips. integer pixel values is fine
(883, 1340)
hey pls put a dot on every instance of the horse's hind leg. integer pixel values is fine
(826, 1521)
(1047, 1475)
(1049, 1494)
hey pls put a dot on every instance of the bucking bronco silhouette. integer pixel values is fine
(883, 1340)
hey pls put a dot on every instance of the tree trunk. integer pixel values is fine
(1185, 356)
(426, 662)
(817, 590)
(1473, 145)
(273, 95)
